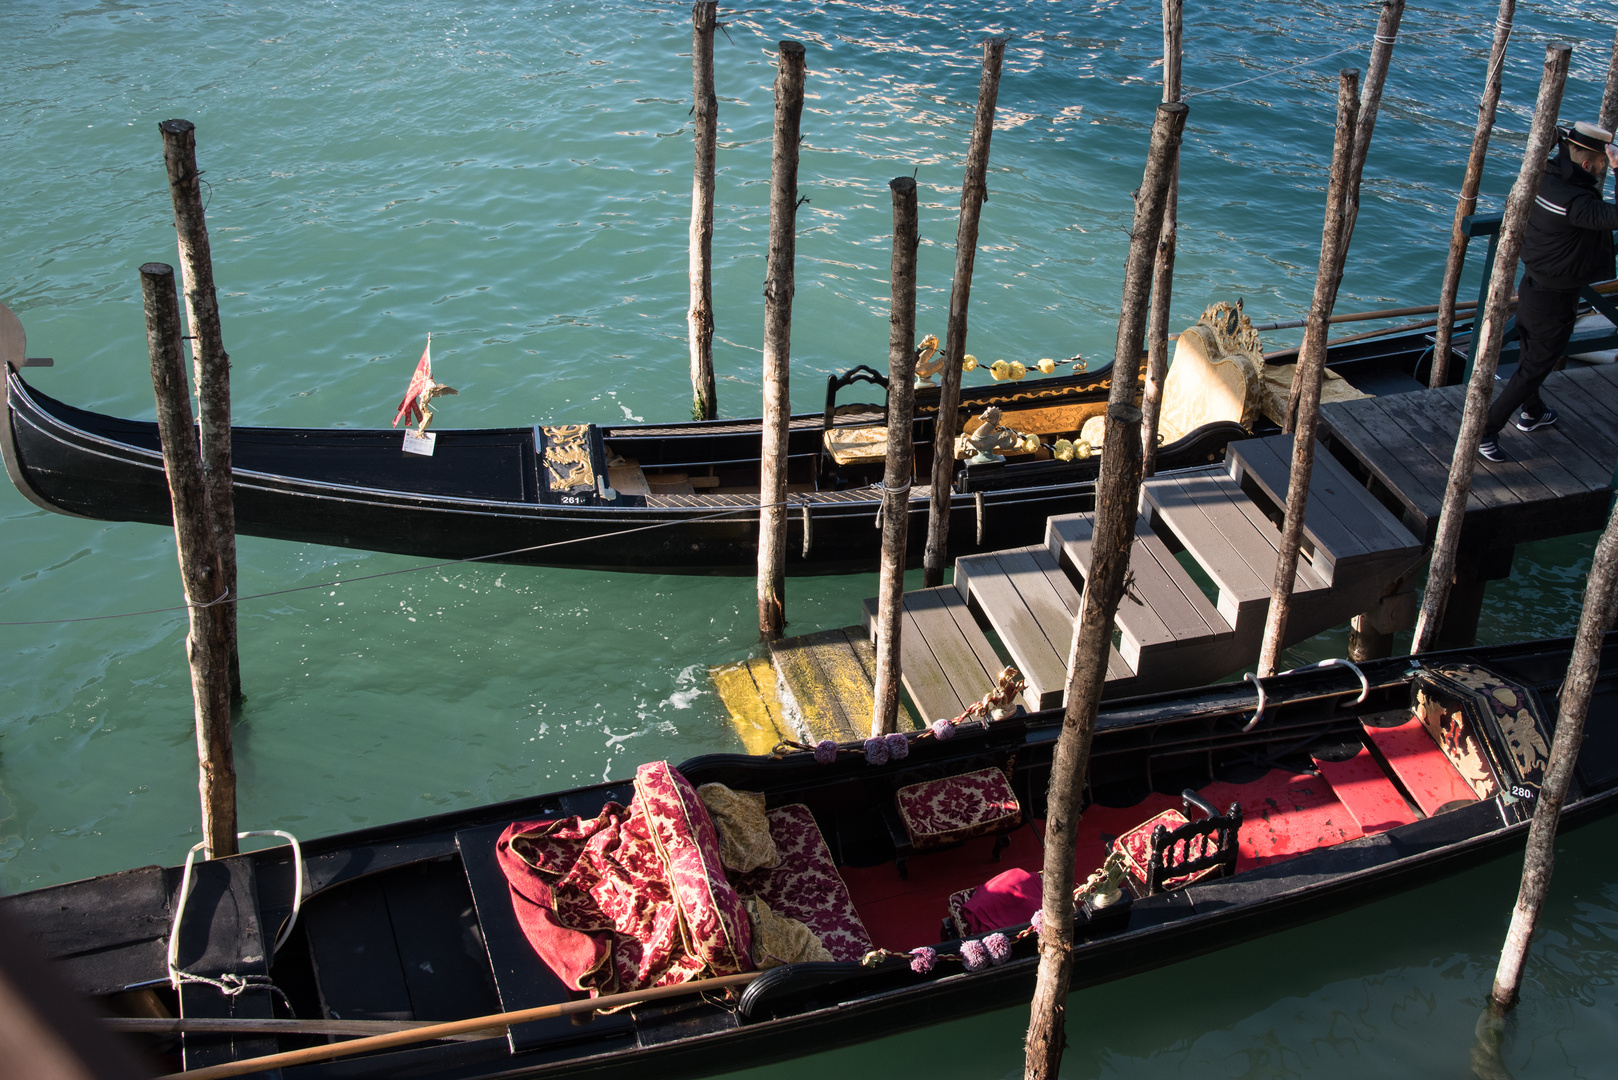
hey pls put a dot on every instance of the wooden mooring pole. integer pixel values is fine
(705, 121)
(206, 645)
(1157, 332)
(901, 450)
(1540, 856)
(1468, 202)
(1486, 348)
(778, 289)
(210, 363)
(1311, 364)
(1609, 97)
(1117, 497)
(974, 192)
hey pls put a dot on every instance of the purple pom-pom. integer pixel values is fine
(943, 729)
(921, 959)
(876, 750)
(975, 954)
(999, 947)
(1038, 922)
(898, 746)
(825, 752)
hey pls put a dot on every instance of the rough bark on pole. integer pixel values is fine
(1540, 856)
(1491, 326)
(1117, 494)
(1376, 73)
(211, 362)
(1609, 97)
(900, 453)
(778, 289)
(1311, 366)
(1468, 202)
(1157, 333)
(206, 646)
(705, 120)
(974, 191)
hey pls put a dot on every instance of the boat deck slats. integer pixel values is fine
(946, 661)
(824, 682)
(1558, 479)
(1344, 526)
(719, 500)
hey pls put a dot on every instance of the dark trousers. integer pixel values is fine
(1545, 319)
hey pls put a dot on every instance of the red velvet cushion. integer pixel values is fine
(956, 808)
(716, 923)
(1007, 899)
(1136, 844)
(806, 886)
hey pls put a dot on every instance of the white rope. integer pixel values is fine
(882, 487)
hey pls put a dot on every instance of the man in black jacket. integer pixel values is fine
(1568, 243)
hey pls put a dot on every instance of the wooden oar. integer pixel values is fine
(456, 1027)
(200, 1025)
(1405, 329)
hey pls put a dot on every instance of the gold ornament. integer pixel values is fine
(1000, 370)
(1082, 450)
(969, 362)
(1017, 370)
(1030, 444)
(1047, 365)
(1062, 450)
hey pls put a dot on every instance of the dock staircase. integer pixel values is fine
(1193, 611)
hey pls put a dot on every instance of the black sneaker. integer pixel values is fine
(1531, 423)
(1490, 448)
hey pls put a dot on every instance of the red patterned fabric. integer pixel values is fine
(593, 899)
(1136, 844)
(717, 929)
(1010, 898)
(806, 885)
(957, 808)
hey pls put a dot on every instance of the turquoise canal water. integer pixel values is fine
(515, 180)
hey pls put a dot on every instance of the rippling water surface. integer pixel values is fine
(515, 179)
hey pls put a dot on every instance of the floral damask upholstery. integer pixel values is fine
(956, 808)
(1136, 844)
(806, 886)
(632, 898)
(715, 921)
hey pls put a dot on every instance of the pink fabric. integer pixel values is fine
(716, 924)
(806, 886)
(958, 808)
(1137, 848)
(1007, 899)
(592, 898)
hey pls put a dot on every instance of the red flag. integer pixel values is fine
(409, 409)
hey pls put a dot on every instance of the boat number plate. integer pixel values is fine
(420, 444)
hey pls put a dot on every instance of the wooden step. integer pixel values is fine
(748, 690)
(1030, 602)
(824, 681)
(946, 663)
(1163, 610)
(1229, 536)
(1345, 529)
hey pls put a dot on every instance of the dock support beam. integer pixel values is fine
(1157, 329)
(1468, 202)
(1117, 504)
(206, 646)
(778, 289)
(900, 454)
(1486, 347)
(974, 192)
(705, 121)
(209, 360)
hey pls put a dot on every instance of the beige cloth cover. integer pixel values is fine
(745, 842)
(780, 939)
(856, 445)
(1278, 387)
(1217, 374)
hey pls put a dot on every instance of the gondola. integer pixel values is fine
(1337, 786)
(655, 497)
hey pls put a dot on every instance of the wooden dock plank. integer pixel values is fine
(1408, 484)
(1532, 475)
(1424, 418)
(747, 689)
(942, 659)
(1119, 673)
(807, 699)
(1181, 605)
(1330, 519)
(1007, 603)
(1589, 422)
(830, 651)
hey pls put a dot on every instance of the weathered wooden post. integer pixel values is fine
(901, 451)
(206, 646)
(1117, 494)
(1157, 332)
(705, 120)
(778, 288)
(1609, 97)
(1540, 856)
(1311, 364)
(1376, 73)
(1468, 202)
(974, 191)
(1491, 324)
(210, 361)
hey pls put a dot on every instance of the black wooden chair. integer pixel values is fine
(1170, 851)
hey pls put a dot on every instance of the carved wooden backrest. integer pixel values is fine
(1180, 856)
